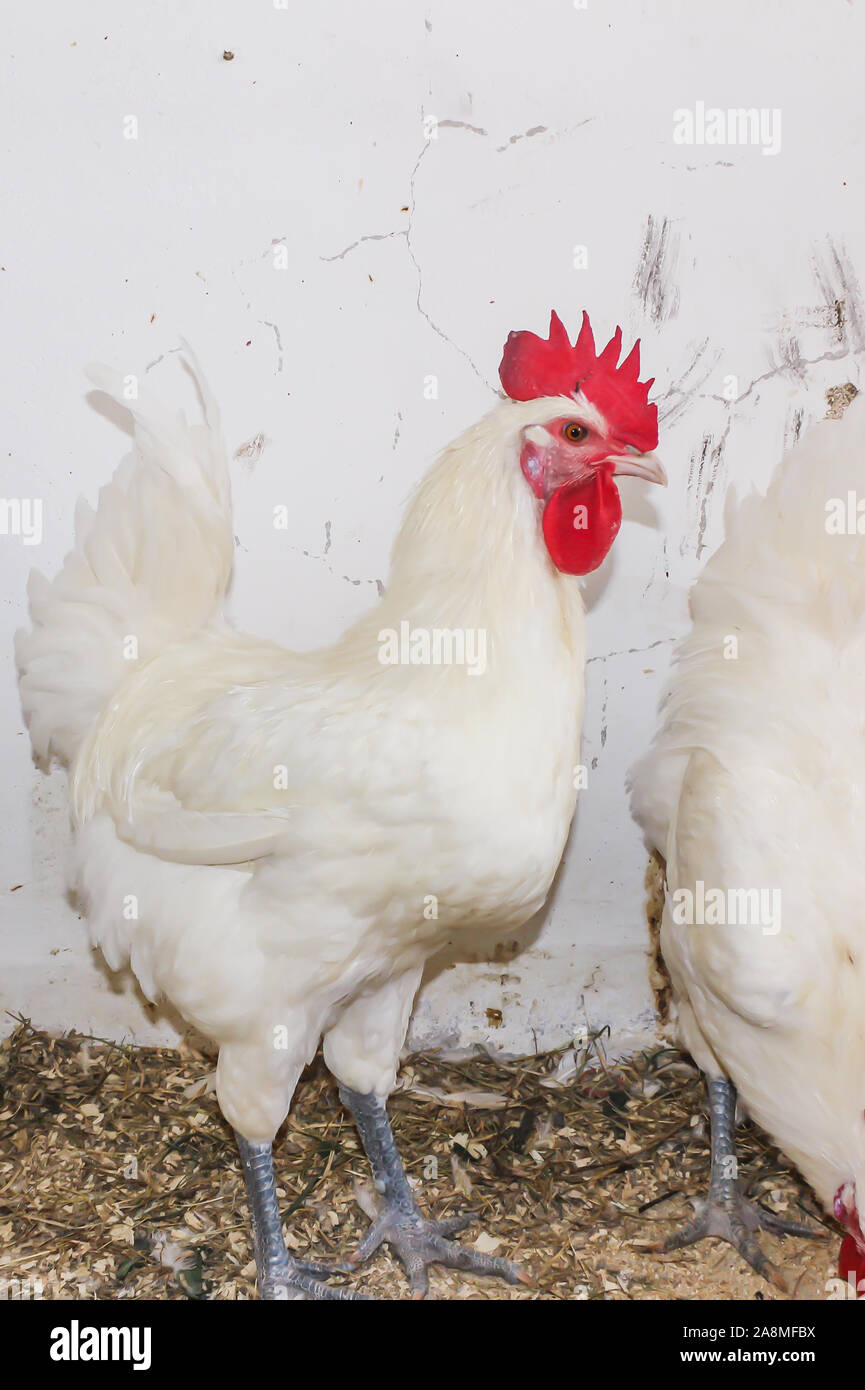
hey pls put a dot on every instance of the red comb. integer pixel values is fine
(532, 367)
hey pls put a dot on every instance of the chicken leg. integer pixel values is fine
(417, 1240)
(725, 1213)
(279, 1275)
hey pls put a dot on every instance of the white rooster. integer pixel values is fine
(754, 793)
(277, 841)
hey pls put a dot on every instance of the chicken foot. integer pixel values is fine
(417, 1240)
(724, 1213)
(279, 1275)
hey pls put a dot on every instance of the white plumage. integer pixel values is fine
(757, 781)
(277, 842)
(261, 833)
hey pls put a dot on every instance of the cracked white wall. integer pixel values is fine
(296, 213)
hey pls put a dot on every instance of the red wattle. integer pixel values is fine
(581, 521)
(851, 1261)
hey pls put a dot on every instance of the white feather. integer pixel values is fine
(757, 780)
(262, 833)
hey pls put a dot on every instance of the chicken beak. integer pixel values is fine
(636, 465)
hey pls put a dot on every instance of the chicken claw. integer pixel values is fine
(280, 1277)
(725, 1213)
(417, 1240)
(296, 1279)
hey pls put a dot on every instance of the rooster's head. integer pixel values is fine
(606, 428)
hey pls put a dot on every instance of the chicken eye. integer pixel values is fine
(574, 433)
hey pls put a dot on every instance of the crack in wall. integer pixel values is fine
(796, 365)
(371, 236)
(523, 135)
(322, 560)
(416, 263)
(670, 408)
(631, 651)
(406, 233)
(266, 323)
(169, 352)
(460, 125)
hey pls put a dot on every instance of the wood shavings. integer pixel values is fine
(119, 1177)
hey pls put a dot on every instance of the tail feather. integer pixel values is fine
(152, 562)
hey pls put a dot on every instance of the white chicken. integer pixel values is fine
(276, 841)
(754, 793)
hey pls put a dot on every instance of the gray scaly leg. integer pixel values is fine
(417, 1240)
(725, 1213)
(279, 1276)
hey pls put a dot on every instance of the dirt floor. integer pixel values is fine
(119, 1177)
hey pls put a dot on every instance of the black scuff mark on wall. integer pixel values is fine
(655, 278)
(842, 294)
(793, 428)
(788, 357)
(704, 471)
(683, 391)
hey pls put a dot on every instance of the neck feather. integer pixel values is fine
(471, 554)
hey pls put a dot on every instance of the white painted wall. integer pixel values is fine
(410, 256)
